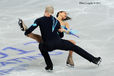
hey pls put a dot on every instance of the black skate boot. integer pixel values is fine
(97, 61)
(49, 68)
(22, 25)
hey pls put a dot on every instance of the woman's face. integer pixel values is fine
(63, 15)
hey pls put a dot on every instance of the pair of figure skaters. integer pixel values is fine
(51, 37)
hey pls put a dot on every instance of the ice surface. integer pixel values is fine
(20, 56)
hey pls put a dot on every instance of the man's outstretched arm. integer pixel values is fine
(30, 29)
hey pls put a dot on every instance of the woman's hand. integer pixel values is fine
(63, 30)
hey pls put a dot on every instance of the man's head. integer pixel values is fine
(49, 10)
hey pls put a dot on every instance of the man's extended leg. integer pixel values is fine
(67, 45)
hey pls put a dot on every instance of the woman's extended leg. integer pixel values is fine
(36, 37)
(23, 27)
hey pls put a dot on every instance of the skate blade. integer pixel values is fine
(99, 62)
(70, 65)
(49, 71)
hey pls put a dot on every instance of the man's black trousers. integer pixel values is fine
(62, 45)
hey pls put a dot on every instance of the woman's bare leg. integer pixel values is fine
(36, 37)
(69, 59)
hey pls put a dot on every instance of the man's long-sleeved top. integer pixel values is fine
(48, 26)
